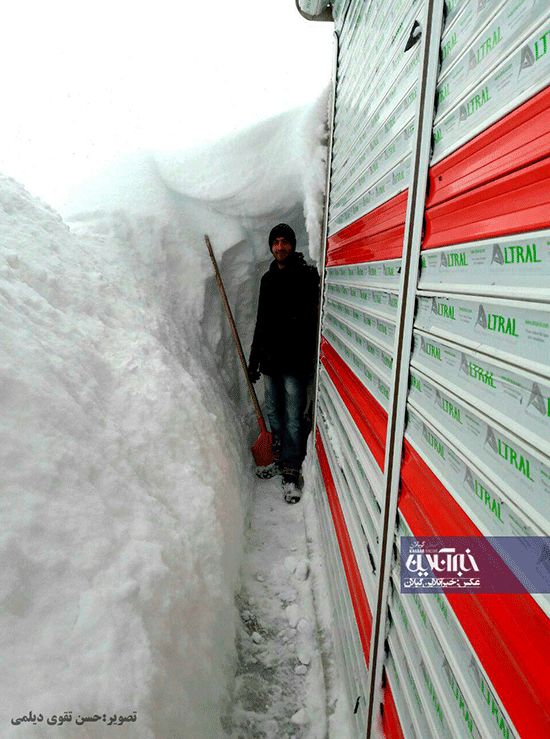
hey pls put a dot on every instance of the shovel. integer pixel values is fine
(261, 449)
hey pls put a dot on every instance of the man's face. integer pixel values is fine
(281, 249)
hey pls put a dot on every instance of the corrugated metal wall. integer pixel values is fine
(433, 403)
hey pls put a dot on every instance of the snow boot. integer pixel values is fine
(271, 470)
(291, 492)
(292, 485)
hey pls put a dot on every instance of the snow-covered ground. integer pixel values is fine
(124, 434)
(280, 686)
(287, 683)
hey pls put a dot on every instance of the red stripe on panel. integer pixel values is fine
(519, 139)
(385, 245)
(509, 633)
(369, 416)
(513, 204)
(390, 718)
(377, 235)
(358, 596)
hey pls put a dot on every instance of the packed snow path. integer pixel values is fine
(279, 688)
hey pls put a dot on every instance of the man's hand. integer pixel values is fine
(253, 374)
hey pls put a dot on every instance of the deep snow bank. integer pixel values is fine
(122, 478)
(123, 451)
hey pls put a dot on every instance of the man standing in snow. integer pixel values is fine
(283, 350)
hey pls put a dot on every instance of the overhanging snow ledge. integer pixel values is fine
(315, 10)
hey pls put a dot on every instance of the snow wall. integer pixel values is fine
(124, 428)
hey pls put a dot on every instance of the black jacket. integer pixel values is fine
(285, 337)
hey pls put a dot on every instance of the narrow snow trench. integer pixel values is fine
(279, 688)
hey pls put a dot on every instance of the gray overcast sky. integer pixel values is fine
(83, 81)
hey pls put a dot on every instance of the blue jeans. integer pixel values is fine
(285, 401)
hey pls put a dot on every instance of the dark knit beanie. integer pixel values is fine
(284, 230)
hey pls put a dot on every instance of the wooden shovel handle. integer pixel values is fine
(235, 334)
